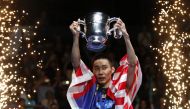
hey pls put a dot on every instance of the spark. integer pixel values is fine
(173, 47)
(15, 45)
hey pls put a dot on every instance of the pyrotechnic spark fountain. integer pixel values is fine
(15, 44)
(173, 50)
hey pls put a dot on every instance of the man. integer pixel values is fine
(98, 89)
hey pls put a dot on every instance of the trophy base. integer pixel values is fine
(96, 47)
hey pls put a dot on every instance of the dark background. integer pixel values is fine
(61, 13)
(55, 16)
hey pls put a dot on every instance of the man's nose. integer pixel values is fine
(101, 72)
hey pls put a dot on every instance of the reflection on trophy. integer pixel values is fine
(97, 29)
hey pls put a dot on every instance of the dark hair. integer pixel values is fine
(107, 56)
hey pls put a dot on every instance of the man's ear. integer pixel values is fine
(113, 69)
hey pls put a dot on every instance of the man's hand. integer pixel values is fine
(75, 28)
(121, 26)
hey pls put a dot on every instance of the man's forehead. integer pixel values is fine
(101, 62)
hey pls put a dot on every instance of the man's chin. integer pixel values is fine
(101, 83)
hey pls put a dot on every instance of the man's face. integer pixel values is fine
(103, 71)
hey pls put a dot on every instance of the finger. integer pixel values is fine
(72, 24)
(119, 20)
(117, 25)
(75, 23)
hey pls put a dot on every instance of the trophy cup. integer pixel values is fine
(97, 29)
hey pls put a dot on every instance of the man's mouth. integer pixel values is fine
(101, 78)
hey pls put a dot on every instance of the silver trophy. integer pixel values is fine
(97, 30)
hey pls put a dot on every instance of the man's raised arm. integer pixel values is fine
(132, 59)
(75, 53)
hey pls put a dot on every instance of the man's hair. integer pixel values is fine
(107, 56)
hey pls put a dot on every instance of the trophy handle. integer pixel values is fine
(82, 22)
(116, 32)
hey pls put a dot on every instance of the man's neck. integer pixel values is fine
(104, 85)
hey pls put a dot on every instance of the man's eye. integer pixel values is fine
(104, 67)
(95, 68)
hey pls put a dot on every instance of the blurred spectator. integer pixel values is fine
(21, 103)
(42, 86)
(144, 38)
(141, 105)
(49, 102)
(62, 86)
(65, 59)
(160, 104)
(60, 94)
(29, 102)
